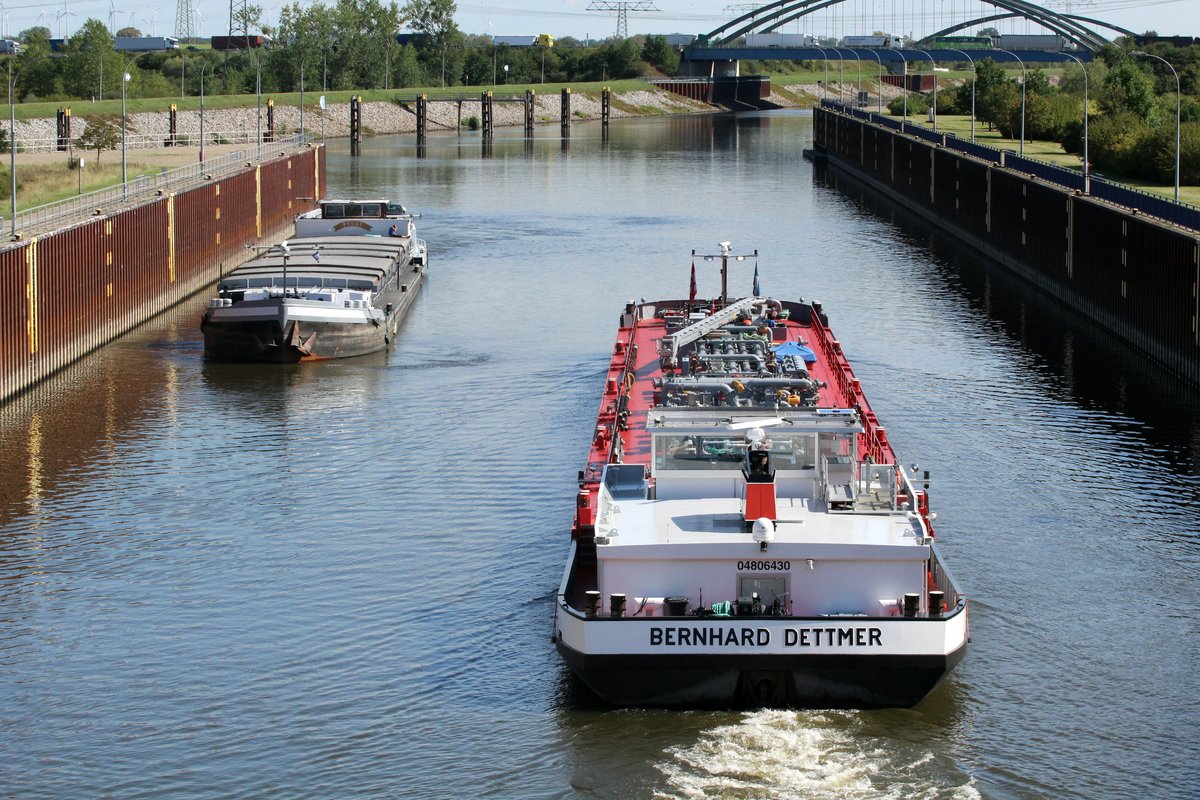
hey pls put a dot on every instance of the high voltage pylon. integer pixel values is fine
(183, 21)
(237, 18)
(622, 7)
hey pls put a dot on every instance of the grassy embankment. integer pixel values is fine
(39, 184)
(960, 125)
(1048, 151)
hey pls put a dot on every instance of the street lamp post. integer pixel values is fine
(1087, 178)
(933, 70)
(879, 91)
(841, 75)
(1178, 101)
(203, 68)
(124, 172)
(1022, 63)
(904, 89)
(825, 85)
(974, 75)
(302, 97)
(125, 77)
(258, 95)
(858, 60)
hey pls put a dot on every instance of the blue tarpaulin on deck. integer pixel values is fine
(794, 349)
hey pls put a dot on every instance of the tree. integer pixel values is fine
(407, 71)
(994, 92)
(1127, 88)
(102, 133)
(132, 33)
(1036, 82)
(434, 18)
(657, 53)
(92, 66)
(36, 74)
(37, 31)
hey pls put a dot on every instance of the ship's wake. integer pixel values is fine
(811, 755)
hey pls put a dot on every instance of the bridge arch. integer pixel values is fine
(1010, 15)
(773, 15)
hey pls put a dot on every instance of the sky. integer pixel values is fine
(571, 17)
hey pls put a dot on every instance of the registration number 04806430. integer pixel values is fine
(773, 566)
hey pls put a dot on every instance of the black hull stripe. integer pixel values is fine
(731, 680)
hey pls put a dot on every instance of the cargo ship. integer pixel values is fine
(339, 288)
(744, 534)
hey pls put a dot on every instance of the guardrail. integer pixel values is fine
(1183, 214)
(53, 216)
(142, 141)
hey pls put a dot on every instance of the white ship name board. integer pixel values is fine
(720, 636)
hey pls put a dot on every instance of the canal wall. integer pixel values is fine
(1136, 276)
(64, 294)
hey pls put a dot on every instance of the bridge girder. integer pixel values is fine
(780, 12)
(997, 17)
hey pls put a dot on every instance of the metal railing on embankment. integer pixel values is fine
(142, 141)
(43, 219)
(1182, 214)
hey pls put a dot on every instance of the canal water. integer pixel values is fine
(336, 580)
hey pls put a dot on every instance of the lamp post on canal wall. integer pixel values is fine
(1178, 102)
(1022, 63)
(933, 71)
(974, 75)
(1087, 172)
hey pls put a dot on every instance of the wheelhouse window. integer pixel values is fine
(728, 451)
(837, 447)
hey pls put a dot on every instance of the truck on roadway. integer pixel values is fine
(144, 44)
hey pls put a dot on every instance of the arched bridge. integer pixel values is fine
(719, 51)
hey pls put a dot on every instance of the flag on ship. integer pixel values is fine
(757, 288)
(692, 292)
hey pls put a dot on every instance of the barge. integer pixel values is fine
(340, 288)
(744, 534)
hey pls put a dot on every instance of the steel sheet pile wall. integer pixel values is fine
(16, 367)
(68, 293)
(73, 285)
(1137, 276)
(913, 169)
(877, 152)
(1161, 306)
(288, 186)
(960, 189)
